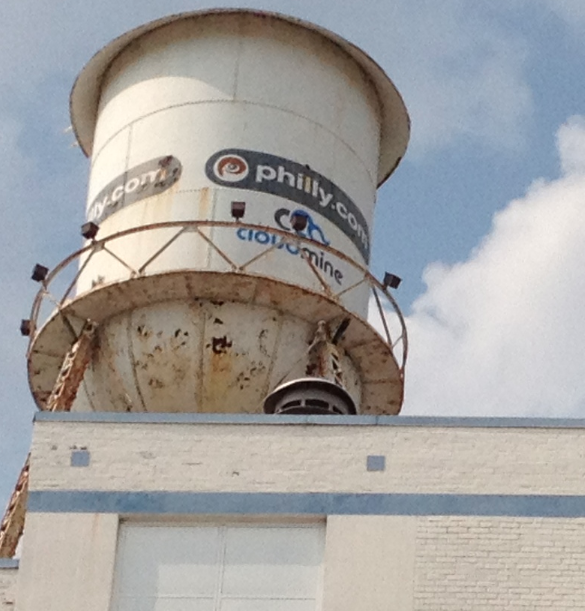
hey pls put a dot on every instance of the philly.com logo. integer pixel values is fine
(296, 182)
(145, 180)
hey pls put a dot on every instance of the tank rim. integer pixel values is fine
(382, 377)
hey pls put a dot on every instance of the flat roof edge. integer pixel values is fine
(276, 420)
(9, 563)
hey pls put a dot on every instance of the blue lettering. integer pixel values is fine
(317, 258)
(262, 237)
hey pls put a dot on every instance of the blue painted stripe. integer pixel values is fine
(75, 501)
(402, 421)
(8, 563)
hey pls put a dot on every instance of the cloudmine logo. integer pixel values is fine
(313, 253)
(298, 183)
(313, 231)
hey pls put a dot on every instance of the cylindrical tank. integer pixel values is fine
(241, 106)
(183, 117)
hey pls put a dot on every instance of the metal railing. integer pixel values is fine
(380, 299)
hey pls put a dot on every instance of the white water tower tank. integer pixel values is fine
(188, 120)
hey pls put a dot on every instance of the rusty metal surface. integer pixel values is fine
(12, 524)
(197, 355)
(72, 371)
(126, 376)
(325, 360)
(229, 330)
(221, 247)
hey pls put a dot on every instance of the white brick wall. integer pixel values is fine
(219, 457)
(7, 589)
(509, 564)
(443, 563)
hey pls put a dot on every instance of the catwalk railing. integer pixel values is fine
(59, 286)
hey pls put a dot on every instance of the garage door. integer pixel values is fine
(218, 568)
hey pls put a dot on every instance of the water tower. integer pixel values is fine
(235, 157)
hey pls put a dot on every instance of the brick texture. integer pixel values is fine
(509, 564)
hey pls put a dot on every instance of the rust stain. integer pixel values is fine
(155, 383)
(12, 524)
(43, 395)
(222, 366)
(143, 331)
(262, 339)
(161, 360)
(204, 203)
(220, 345)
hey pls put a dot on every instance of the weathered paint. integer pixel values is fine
(205, 341)
(12, 523)
(200, 356)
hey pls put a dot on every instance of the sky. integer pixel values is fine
(484, 219)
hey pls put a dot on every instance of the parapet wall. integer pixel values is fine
(157, 452)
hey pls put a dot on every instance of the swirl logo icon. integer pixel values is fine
(231, 168)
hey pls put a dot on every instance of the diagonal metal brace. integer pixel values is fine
(72, 371)
(61, 399)
(13, 522)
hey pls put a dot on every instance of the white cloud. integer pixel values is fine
(571, 145)
(502, 332)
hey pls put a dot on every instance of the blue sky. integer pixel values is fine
(484, 219)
